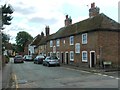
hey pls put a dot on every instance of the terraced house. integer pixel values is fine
(87, 43)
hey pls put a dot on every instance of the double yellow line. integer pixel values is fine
(15, 80)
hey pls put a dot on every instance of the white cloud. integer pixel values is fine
(33, 15)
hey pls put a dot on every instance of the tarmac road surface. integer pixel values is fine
(30, 75)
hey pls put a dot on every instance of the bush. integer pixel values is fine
(7, 59)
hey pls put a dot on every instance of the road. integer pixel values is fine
(30, 75)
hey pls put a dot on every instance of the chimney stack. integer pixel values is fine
(68, 21)
(93, 11)
(93, 5)
(47, 30)
(42, 34)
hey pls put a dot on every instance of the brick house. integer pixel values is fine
(87, 43)
(41, 47)
(38, 45)
(32, 46)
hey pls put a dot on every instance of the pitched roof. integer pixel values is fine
(100, 21)
(43, 40)
(8, 46)
(36, 40)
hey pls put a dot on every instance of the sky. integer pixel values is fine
(33, 16)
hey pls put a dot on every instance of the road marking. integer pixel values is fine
(78, 70)
(86, 71)
(15, 80)
(99, 74)
(111, 77)
(105, 75)
(117, 78)
(94, 73)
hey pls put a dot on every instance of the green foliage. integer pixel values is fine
(21, 40)
(5, 39)
(7, 59)
(6, 17)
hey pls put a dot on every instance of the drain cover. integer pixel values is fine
(22, 81)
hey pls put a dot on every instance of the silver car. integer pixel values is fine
(51, 60)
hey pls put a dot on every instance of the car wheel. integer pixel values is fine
(48, 64)
(58, 64)
(37, 62)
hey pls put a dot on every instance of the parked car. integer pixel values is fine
(28, 58)
(39, 59)
(18, 59)
(51, 60)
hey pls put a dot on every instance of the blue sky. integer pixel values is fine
(33, 15)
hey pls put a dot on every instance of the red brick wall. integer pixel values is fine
(109, 42)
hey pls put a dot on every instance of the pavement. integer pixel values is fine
(108, 71)
(5, 76)
(0, 78)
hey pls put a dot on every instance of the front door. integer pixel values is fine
(66, 58)
(92, 59)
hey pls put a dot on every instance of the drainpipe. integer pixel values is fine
(101, 63)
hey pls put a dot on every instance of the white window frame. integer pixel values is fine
(84, 60)
(58, 55)
(51, 53)
(58, 42)
(71, 59)
(51, 43)
(63, 41)
(77, 48)
(54, 49)
(71, 38)
(84, 41)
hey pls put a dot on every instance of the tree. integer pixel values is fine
(21, 39)
(6, 14)
(5, 39)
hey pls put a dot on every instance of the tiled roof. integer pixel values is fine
(43, 40)
(8, 46)
(36, 40)
(100, 21)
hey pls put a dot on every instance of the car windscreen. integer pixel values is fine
(54, 58)
(18, 56)
(40, 57)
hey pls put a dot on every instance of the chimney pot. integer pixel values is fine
(66, 16)
(93, 11)
(47, 30)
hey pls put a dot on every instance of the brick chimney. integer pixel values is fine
(68, 21)
(47, 30)
(42, 34)
(93, 11)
